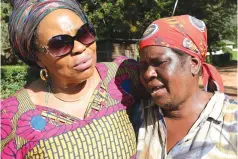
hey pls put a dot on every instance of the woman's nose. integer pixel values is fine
(150, 73)
(78, 47)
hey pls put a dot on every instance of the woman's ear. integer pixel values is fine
(195, 65)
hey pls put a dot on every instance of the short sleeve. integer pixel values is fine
(131, 67)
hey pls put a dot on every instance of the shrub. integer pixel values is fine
(221, 60)
(233, 54)
(15, 77)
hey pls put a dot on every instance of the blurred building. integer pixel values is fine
(229, 44)
(109, 49)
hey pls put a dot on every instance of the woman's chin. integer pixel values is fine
(163, 103)
(82, 78)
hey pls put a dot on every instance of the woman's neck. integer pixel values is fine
(74, 90)
(191, 107)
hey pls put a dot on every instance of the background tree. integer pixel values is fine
(218, 15)
(6, 10)
(127, 19)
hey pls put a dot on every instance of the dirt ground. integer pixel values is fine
(229, 77)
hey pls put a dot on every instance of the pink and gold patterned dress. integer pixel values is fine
(35, 131)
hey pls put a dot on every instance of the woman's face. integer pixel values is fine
(79, 64)
(165, 76)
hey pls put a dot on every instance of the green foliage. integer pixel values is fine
(125, 19)
(128, 19)
(6, 10)
(6, 56)
(219, 16)
(15, 77)
(5, 37)
(232, 53)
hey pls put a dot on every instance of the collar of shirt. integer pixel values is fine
(212, 111)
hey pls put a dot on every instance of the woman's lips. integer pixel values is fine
(158, 91)
(83, 64)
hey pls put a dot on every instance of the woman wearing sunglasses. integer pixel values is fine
(78, 109)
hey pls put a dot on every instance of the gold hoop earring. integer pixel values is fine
(43, 74)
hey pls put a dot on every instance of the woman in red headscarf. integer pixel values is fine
(78, 109)
(182, 120)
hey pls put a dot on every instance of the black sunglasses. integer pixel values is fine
(61, 45)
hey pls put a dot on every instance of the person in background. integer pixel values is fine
(79, 108)
(182, 120)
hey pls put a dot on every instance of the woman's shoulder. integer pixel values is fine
(11, 102)
(12, 99)
(9, 108)
(121, 78)
(15, 100)
(230, 106)
(225, 108)
(121, 66)
(123, 59)
(121, 62)
(21, 92)
(126, 63)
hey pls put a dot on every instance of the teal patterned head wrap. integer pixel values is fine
(25, 18)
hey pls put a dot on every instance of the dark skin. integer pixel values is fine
(67, 82)
(172, 81)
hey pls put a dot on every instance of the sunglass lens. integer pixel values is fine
(86, 35)
(60, 45)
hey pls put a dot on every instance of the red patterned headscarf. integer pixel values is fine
(185, 33)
